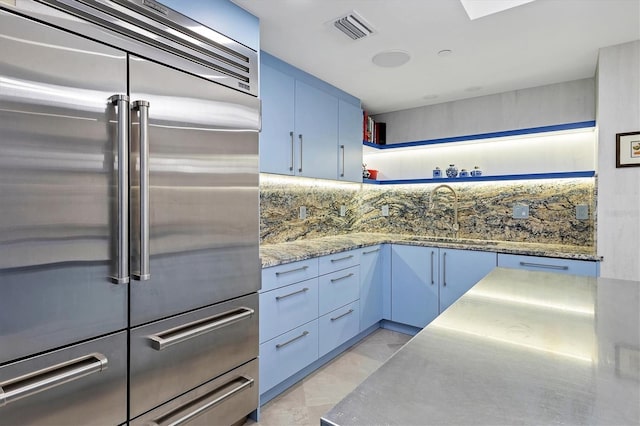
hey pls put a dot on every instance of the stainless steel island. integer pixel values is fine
(520, 347)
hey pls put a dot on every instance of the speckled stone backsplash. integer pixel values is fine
(484, 210)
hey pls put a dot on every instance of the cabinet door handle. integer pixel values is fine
(342, 315)
(343, 165)
(333, 280)
(444, 269)
(301, 142)
(432, 254)
(284, 296)
(291, 270)
(341, 258)
(371, 251)
(545, 266)
(50, 377)
(193, 329)
(292, 151)
(288, 342)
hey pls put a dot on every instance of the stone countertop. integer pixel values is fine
(281, 253)
(520, 347)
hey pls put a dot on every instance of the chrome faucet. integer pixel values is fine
(455, 225)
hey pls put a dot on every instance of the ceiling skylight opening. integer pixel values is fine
(479, 8)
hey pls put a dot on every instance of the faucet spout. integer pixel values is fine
(455, 226)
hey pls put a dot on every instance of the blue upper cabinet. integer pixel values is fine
(222, 16)
(309, 128)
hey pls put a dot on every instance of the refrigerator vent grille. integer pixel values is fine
(354, 26)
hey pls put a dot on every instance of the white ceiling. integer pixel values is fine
(538, 43)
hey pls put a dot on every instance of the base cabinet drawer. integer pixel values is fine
(338, 261)
(287, 354)
(338, 288)
(289, 273)
(338, 326)
(287, 307)
(84, 384)
(172, 356)
(222, 401)
(549, 264)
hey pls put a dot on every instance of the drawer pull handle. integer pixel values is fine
(168, 418)
(282, 345)
(343, 315)
(545, 266)
(193, 329)
(303, 268)
(333, 280)
(341, 258)
(370, 251)
(50, 377)
(292, 294)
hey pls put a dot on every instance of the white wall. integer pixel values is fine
(618, 111)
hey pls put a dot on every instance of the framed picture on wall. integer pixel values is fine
(628, 149)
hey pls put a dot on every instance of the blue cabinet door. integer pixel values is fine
(277, 91)
(460, 270)
(414, 286)
(349, 142)
(371, 285)
(316, 125)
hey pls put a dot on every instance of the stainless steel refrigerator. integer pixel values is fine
(128, 217)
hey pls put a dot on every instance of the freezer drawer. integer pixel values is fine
(172, 356)
(84, 384)
(222, 401)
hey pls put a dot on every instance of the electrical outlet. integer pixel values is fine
(343, 211)
(303, 212)
(520, 211)
(582, 212)
(385, 210)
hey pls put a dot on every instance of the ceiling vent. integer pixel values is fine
(354, 26)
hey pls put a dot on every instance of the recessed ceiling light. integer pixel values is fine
(444, 53)
(391, 58)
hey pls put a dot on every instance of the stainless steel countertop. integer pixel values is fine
(521, 347)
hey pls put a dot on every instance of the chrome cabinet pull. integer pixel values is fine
(303, 268)
(341, 258)
(371, 251)
(122, 246)
(300, 168)
(166, 419)
(32, 383)
(193, 329)
(545, 266)
(432, 254)
(143, 108)
(333, 280)
(342, 315)
(343, 164)
(288, 342)
(292, 151)
(444, 269)
(292, 294)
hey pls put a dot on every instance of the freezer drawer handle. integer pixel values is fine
(143, 109)
(288, 342)
(193, 329)
(167, 419)
(122, 268)
(303, 290)
(333, 280)
(341, 258)
(342, 315)
(542, 265)
(304, 268)
(32, 383)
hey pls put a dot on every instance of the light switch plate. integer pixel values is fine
(520, 211)
(343, 211)
(303, 212)
(582, 212)
(385, 210)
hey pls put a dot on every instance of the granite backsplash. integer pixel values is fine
(484, 209)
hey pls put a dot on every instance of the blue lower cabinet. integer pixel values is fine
(338, 288)
(460, 270)
(287, 354)
(338, 326)
(549, 264)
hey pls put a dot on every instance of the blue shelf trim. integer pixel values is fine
(530, 130)
(558, 175)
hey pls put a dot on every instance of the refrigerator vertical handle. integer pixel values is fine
(143, 109)
(122, 246)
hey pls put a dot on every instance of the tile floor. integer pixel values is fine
(304, 403)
